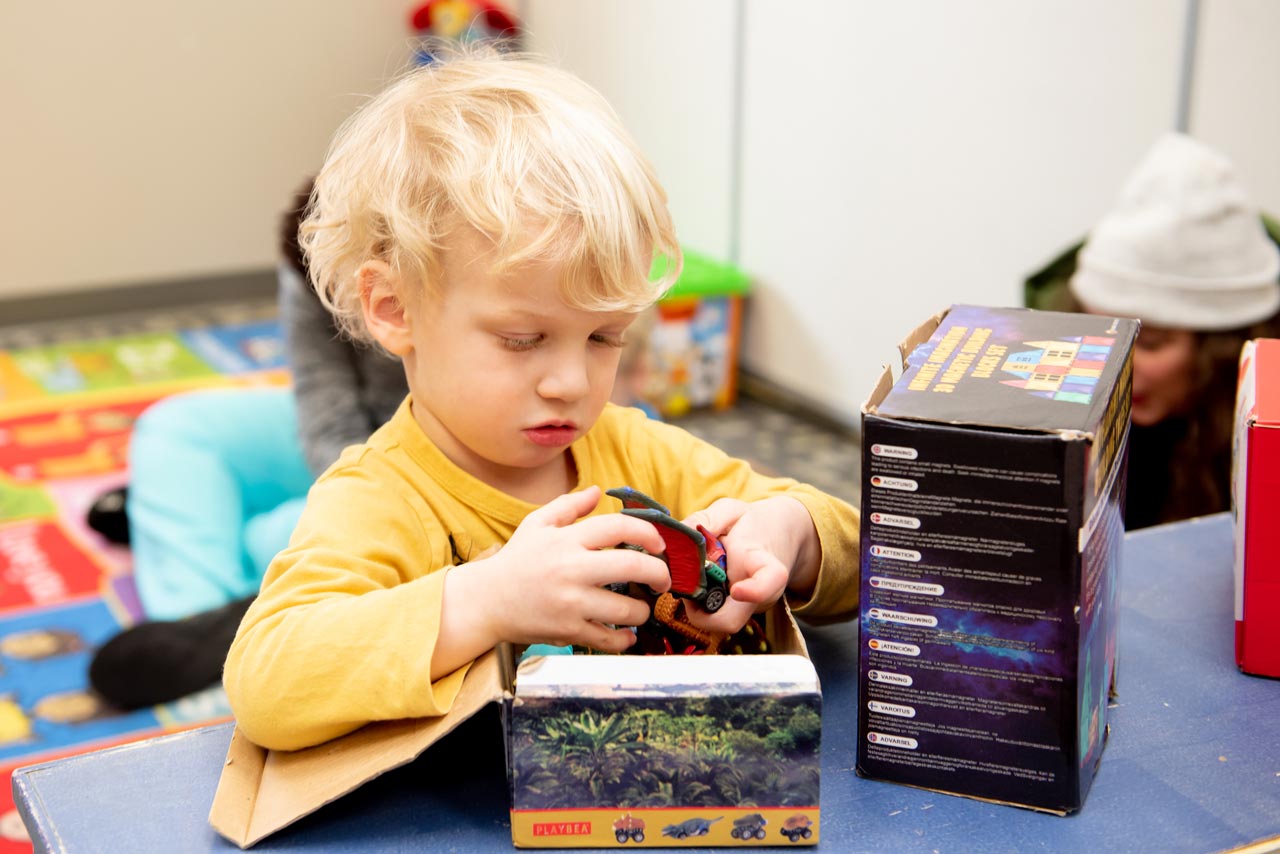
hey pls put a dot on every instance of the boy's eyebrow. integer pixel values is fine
(508, 313)
(504, 313)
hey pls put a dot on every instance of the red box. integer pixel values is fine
(1256, 507)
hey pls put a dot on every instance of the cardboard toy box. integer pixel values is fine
(993, 482)
(694, 340)
(602, 750)
(1256, 505)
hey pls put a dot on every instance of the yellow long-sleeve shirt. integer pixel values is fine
(345, 626)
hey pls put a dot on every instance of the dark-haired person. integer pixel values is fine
(1185, 251)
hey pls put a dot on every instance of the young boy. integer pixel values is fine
(488, 220)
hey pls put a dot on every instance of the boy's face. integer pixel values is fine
(504, 375)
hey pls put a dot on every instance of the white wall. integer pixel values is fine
(1235, 102)
(908, 155)
(667, 67)
(895, 157)
(156, 139)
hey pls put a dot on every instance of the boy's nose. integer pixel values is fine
(565, 379)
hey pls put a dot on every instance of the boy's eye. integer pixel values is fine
(607, 339)
(520, 342)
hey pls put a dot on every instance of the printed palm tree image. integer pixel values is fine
(702, 751)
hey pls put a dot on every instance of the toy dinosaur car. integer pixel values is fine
(628, 827)
(694, 556)
(796, 827)
(690, 827)
(749, 827)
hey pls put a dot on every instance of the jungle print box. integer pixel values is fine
(656, 751)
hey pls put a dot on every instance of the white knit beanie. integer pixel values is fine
(1183, 248)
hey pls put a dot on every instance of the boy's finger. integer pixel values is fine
(719, 516)
(605, 639)
(729, 619)
(614, 529)
(615, 565)
(762, 585)
(615, 609)
(567, 508)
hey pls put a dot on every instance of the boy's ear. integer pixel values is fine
(384, 311)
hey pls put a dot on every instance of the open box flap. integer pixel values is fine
(782, 631)
(261, 791)
(919, 335)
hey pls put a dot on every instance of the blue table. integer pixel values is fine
(1193, 762)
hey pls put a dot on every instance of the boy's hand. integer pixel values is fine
(770, 545)
(546, 585)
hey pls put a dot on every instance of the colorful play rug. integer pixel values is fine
(66, 412)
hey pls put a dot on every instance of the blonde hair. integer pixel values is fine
(525, 154)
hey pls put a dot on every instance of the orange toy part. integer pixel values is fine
(669, 611)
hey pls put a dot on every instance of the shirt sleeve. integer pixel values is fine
(346, 623)
(835, 596)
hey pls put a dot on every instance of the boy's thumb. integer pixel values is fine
(719, 517)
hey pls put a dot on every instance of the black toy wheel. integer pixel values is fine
(759, 833)
(735, 833)
(637, 835)
(806, 833)
(620, 835)
(714, 600)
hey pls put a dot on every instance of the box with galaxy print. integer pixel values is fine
(993, 482)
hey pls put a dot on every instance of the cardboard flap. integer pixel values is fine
(880, 392)
(919, 335)
(782, 631)
(915, 338)
(237, 788)
(261, 791)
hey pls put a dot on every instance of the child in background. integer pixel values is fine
(343, 390)
(217, 482)
(1184, 251)
(487, 220)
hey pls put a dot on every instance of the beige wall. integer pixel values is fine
(888, 158)
(153, 139)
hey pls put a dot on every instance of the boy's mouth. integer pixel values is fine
(552, 435)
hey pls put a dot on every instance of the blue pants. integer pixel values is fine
(217, 481)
